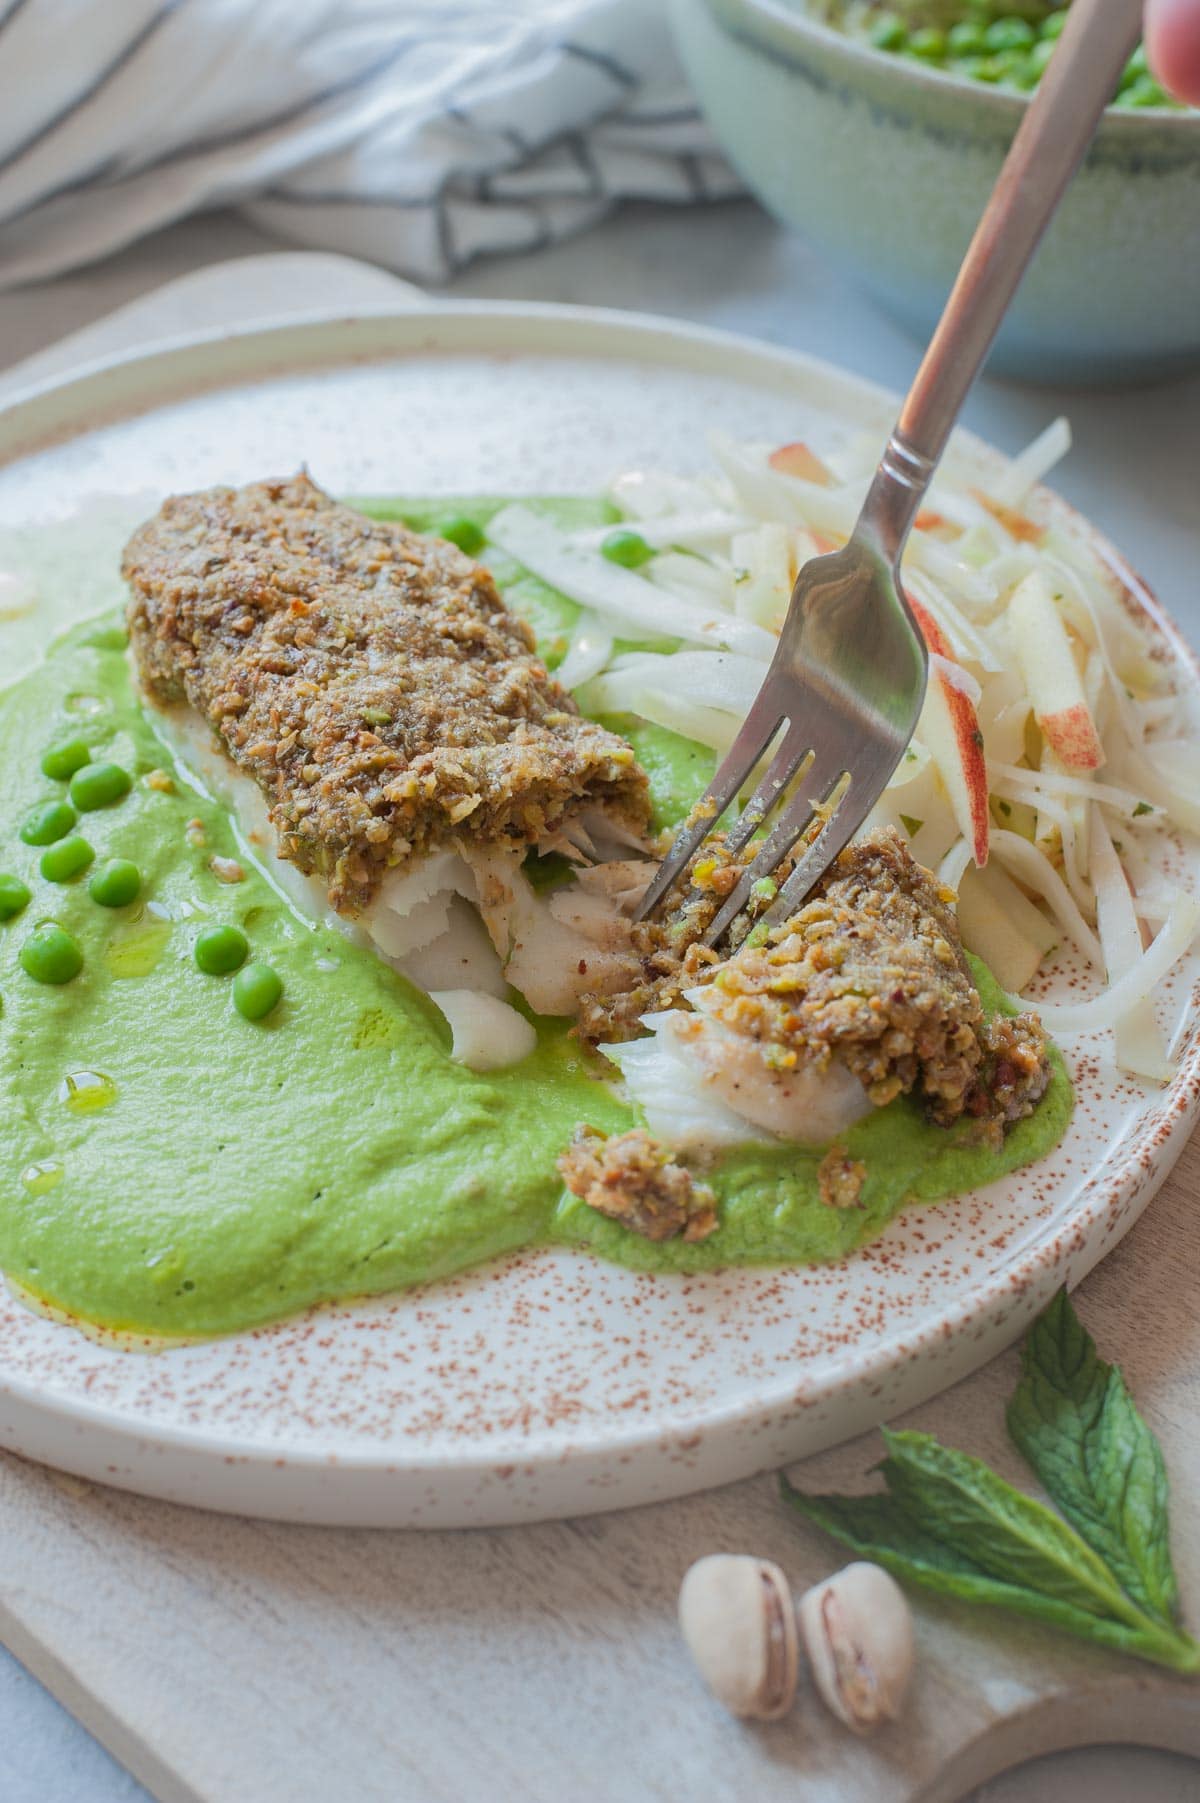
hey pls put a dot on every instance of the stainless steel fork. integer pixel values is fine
(845, 687)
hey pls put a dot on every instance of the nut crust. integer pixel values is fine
(871, 971)
(369, 679)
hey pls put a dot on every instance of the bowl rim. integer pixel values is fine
(799, 21)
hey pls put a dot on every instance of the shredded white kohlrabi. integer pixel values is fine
(1074, 762)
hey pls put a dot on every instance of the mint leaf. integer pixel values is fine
(1009, 1536)
(949, 1523)
(1076, 1423)
(879, 1528)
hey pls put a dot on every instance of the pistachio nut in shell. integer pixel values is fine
(857, 1632)
(739, 1624)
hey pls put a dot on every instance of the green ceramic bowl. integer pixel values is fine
(887, 165)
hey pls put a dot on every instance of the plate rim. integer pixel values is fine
(1147, 1155)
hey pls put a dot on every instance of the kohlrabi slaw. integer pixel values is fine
(1053, 752)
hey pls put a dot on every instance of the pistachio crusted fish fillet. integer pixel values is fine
(863, 995)
(872, 972)
(370, 680)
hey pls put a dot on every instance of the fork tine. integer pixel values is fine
(787, 760)
(755, 734)
(776, 846)
(832, 839)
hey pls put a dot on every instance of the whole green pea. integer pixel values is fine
(220, 950)
(68, 859)
(888, 32)
(256, 991)
(626, 547)
(466, 533)
(53, 820)
(99, 786)
(966, 38)
(116, 883)
(14, 895)
(1145, 91)
(980, 68)
(1009, 34)
(50, 955)
(1007, 65)
(1039, 56)
(1052, 25)
(61, 761)
(928, 43)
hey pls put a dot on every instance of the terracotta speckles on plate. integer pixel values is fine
(549, 1383)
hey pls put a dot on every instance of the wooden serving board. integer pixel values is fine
(243, 1662)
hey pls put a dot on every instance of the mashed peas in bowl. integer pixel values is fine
(993, 41)
(878, 130)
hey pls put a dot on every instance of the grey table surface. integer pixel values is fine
(1133, 471)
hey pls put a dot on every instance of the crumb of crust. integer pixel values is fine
(1015, 1073)
(634, 1179)
(370, 680)
(227, 870)
(840, 1179)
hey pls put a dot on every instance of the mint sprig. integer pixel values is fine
(1076, 1423)
(949, 1523)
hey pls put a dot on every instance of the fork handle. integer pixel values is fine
(1079, 82)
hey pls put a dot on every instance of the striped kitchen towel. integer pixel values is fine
(417, 133)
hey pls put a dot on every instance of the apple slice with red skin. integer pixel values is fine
(949, 727)
(797, 460)
(1052, 676)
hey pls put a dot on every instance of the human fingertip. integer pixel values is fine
(1172, 35)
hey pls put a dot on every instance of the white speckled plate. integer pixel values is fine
(549, 1383)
